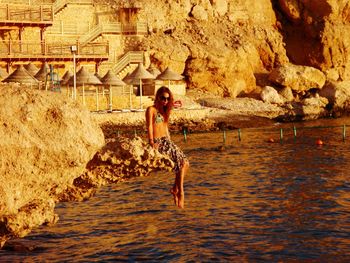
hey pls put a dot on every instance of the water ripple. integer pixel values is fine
(245, 202)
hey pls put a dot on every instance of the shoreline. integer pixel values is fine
(193, 120)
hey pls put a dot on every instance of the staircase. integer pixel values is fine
(124, 63)
(58, 5)
(112, 28)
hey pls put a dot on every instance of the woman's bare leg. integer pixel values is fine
(174, 191)
(179, 180)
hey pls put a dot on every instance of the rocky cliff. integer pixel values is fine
(52, 151)
(227, 47)
(45, 143)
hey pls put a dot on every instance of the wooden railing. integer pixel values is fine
(114, 28)
(59, 4)
(61, 27)
(10, 48)
(28, 2)
(100, 29)
(26, 14)
(127, 59)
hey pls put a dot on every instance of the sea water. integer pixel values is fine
(248, 199)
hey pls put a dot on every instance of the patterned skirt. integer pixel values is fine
(170, 149)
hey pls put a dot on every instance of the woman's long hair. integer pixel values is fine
(164, 110)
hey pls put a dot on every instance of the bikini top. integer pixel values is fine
(159, 118)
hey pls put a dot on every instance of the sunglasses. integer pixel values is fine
(163, 98)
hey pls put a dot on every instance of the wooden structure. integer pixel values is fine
(16, 16)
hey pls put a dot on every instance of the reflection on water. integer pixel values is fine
(248, 201)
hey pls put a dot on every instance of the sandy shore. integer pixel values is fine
(200, 112)
(200, 119)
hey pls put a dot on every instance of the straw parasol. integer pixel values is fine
(66, 77)
(84, 77)
(21, 75)
(139, 74)
(168, 75)
(3, 73)
(98, 76)
(41, 75)
(110, 79)
(153, 70)
(31, 68)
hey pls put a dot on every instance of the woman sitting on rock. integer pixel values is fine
(157, 119)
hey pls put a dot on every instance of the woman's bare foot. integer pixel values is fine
(181, 199)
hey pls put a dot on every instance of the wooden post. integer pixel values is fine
(83, 94)
(97, 98)
(281, 135)
(110, 99)
(185, 135)
(130, 98)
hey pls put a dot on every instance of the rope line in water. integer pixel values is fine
(270, 131)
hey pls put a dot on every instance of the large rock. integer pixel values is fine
(246, 106)
(298, 78)
(314, 107)
(218, 45)
(270, 95)
(338, 94)
(52, 151)
(120, 159)
(287, 94)
(317, 34)
(199, 13)
(45, 144)
(209, 74)
(220, 7)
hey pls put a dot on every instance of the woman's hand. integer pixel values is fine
(154, 145)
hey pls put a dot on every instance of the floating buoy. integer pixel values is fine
(271, 140)
(319, 142)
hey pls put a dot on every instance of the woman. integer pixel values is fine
(157, 119)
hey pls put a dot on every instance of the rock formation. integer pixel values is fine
(49, 152)
(295, 51)
(45, 144)
(120, 159)
(228, 47)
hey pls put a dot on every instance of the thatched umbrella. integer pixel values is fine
(98, 76)
(130, 81)
(168, 75)
(153, 70)
(41, 75)
(66, 76)
(84, 77)
(3, 73)
(110, 79)
(31, 68)
(139, 74)
(21, 75)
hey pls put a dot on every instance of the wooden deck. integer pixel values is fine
(16, 15)
(36, 50)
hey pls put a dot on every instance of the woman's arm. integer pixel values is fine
(167, 130)
(149, 124)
